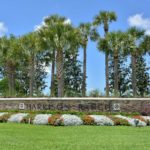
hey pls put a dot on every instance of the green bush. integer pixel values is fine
(119, 121)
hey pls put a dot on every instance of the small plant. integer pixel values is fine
(55, 120)
(94, 93)
(119, 121)
(4, 118)
(88, 120)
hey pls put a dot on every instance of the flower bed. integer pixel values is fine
(74, 120)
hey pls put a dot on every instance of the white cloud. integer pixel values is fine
(139, 21)
(3, 29)
(38, 27)
(67, 21)
(47, 68)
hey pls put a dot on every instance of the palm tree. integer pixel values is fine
(30, 46)
(145, 45)
(62, 36)
(86, 32)
(135, 35)
(105, 18)
(48, 46)
(10, 54)
(115, 42)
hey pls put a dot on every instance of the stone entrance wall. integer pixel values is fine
(141, 105)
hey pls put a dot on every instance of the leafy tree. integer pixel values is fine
(73, 75)
(142, 77)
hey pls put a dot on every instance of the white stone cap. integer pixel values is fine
(72, 98)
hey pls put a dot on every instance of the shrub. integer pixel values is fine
(102, 120)
(71, 120)
(88, 120)
(55, 120)
(17, 117)
(119, 121)
(95, 93)
(41, 119)
(5, 117)
(28, 119)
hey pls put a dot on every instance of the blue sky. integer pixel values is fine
(21, 16)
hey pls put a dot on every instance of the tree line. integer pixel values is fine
(57, 42)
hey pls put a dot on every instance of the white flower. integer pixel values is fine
(71, 120)
(131, 121)
(17, 117)
(102, 120)
(41, 119)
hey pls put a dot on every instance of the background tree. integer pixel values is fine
(142, 77)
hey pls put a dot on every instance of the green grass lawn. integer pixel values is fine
(31, 137)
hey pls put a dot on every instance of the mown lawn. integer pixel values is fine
(31, 137)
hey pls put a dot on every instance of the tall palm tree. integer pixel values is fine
(10, 52)
(30, 46)
(86, 32)
(48, 46)
(105, 18)
(115, 42)
(136, 35)
(62, 36)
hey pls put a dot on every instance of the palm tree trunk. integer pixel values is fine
(10, 69)
(84, 72)
(107, 74)
(106, 64)
(52, 75)
(13, 80)
(60, 74)
(133, 65)
(31, 76)
(116, 75)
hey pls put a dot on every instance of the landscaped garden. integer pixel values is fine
(31, 137)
